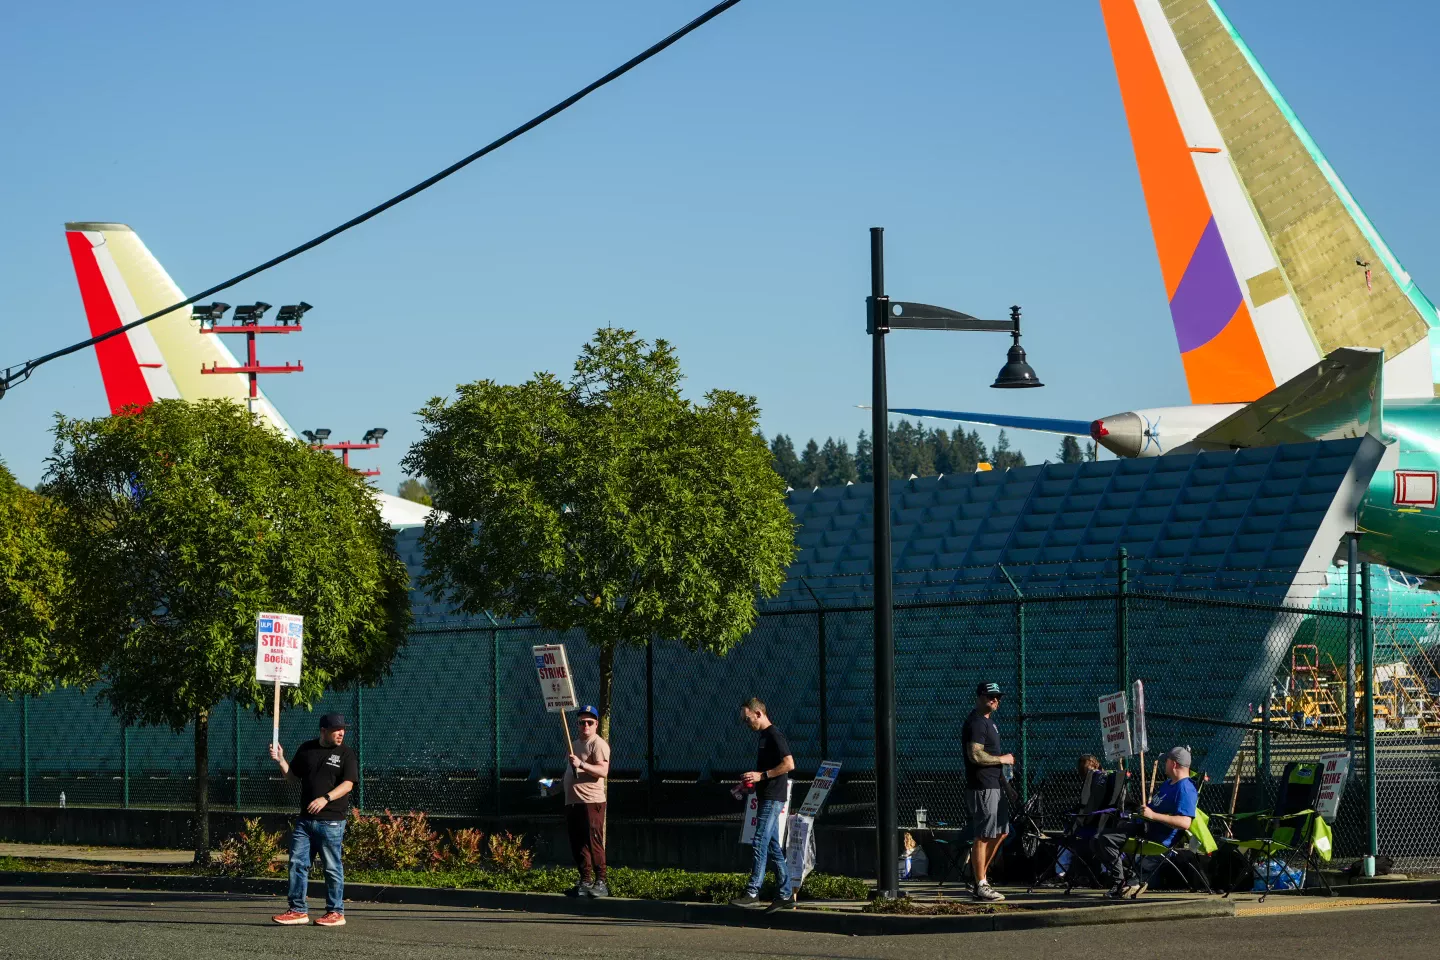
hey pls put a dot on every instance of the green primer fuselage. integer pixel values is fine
(1405, 538)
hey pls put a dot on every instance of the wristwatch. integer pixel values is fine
(764, 774)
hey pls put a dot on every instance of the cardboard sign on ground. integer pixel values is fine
(1115, 726)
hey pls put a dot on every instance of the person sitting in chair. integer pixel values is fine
(1085, 766)
(1170, 810)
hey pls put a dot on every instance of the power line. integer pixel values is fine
(22, 373)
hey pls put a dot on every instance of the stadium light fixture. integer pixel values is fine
(881, 316)
(251, 313)
(318, 436)
(209, 315)
(374, 435)
(291, 313)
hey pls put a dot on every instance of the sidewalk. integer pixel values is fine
(1021, 910)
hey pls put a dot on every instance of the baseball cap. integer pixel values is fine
(333, 721)
(988, 690)
(590, 711)
(1180, 755)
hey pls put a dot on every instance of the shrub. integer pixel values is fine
(250, 853)
(904, 905)
(508, 853)
(464, 849)
(391, 842)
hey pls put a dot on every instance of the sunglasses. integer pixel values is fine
(587, 722)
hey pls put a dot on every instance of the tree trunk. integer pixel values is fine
(607, 683)
(202, 787)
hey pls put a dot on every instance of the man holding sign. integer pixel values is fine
(587, 767)
(327, 771)
(771, 783)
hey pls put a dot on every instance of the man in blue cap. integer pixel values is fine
(585, 777)
(327, 771)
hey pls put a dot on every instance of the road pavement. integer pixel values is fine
(57, 924)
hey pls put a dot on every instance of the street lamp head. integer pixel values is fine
(1017, 373)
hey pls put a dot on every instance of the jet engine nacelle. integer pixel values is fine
(1155, 431)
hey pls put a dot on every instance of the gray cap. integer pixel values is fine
(1180, 755)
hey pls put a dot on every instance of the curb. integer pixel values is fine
(808, 920)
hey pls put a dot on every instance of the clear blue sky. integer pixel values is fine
(718, 196)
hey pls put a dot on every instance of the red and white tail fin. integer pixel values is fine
(121, 281)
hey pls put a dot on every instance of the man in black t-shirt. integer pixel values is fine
(985, 786)
(327, 771)
(771, 780)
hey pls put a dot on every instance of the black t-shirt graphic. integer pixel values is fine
(773, 749)
(982, 730)
(321, 769)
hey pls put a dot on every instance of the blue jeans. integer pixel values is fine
(328, 835)
(767, 846)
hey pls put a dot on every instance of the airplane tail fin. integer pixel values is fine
(1269, 263)
(120, 281)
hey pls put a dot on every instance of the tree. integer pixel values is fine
(608, 503)
(1005, 458)
(864, 459)
(416, 489)
(811, 467)
(184, 520)
(837, 466)
(32, 590)
(1070, 450)
(784, 460)
(1091, 453)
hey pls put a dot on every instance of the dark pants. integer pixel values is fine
(586, 825)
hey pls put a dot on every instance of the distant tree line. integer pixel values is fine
(914, 451)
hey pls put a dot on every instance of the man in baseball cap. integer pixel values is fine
(585, 777)
(327, 771)
(1170, 810)
(985, 786)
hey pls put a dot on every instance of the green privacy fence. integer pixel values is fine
(459, 730)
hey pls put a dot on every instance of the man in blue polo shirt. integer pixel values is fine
(1170, 810)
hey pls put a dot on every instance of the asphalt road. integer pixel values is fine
(48, 924)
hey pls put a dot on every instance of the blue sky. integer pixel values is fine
(719, 196)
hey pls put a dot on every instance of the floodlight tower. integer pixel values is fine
(370, 441)
(247, 321)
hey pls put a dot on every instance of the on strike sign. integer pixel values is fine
(1332, 784)
(279, 647)
(556, 684)
(1115, 726)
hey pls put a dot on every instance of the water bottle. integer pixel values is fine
(1009, 770)
(920, 817)
(62, 799)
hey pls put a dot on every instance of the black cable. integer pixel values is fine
(24, 372)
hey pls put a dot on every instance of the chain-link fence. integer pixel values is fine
(459, 728)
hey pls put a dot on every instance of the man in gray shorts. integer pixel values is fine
(985, 786)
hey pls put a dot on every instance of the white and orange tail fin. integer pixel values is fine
(120, 281)
(1269, 263)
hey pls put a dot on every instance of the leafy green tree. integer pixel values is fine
(1005, 458)
(837, 466)
(784, 460)
(812, 468)
(1091, 452)
(609, 503)
(32, 591)
(1070, 450)
(183, 521)
(415, 488)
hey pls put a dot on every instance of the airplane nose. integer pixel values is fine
(1123, 434)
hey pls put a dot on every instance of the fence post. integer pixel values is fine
(494, 712)
(1352, 550)
(125, 766)
(360, 746)
(235, 726)
(1122, 622)
(824, 687)
(650, 728)
(1367, 633)
(25, 749)
(1020, 682)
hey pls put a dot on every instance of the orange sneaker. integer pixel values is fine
(292, 918)
(331, 920)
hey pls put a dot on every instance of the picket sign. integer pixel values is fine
(1336, 768)
(800, 846)
(557, 684)
(752, 816)
(1115, 726)
(279, 650)
(1138, 699)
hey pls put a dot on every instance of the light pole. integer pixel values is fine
(882, 316)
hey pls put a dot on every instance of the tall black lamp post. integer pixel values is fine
(882, 316)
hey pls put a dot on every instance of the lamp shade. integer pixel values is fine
(1016, 373)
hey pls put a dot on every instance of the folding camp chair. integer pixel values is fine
(1102, 797)
(1292, 827)
(1197, 841)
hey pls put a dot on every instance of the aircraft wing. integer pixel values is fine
(1075, 428)
(1341, 396)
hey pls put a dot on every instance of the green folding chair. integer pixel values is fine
(1292, 829)
(1197, 841)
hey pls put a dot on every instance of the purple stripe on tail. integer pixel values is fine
(1208, 295)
